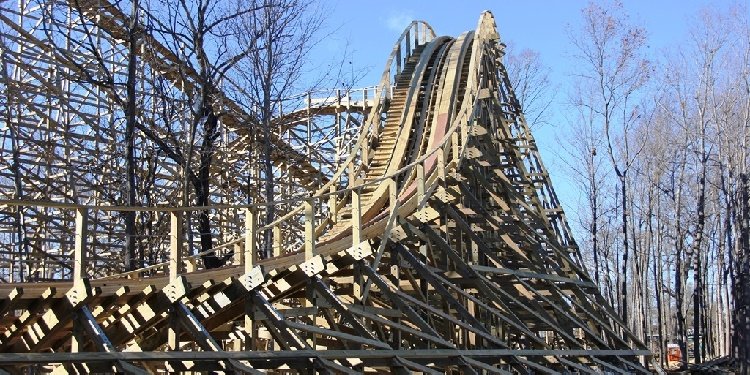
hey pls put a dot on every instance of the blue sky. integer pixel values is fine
(369, 28)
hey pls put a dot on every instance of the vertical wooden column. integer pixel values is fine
(79, 252)
(441, 163)
(277, 240)
(79, 255)
(309, 209)
(350, 173)
(251, 244)
(356, 239)
(309, 228)
(332, 203)
(79, 269)
(366, 149)
(408, 44)
(175, 244)
(364, 100)
(239, 254)
(175, 262)
(398, 66)
(456, 145)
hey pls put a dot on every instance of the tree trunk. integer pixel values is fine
(625, 247)
(267, 114)
(698, 240)
(594, 218)
(130, 110)
(203, 187)
(742, 280)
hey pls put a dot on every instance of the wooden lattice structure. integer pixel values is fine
(428, 240)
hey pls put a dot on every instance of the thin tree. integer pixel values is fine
(613, 66)
(204, 36)
(286, 32)
(531, 82)
(130, 121)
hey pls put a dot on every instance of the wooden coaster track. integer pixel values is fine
(446, 251)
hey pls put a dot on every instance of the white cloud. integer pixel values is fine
(398, 21)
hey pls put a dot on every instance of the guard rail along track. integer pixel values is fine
(446, 251)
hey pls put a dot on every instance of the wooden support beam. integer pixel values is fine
(204, 339)
(277, 240)
(175, 262)
(175, 244)
(356, 224)
(79, 265)
(332, 206)
(251, 228)
(85, 319)
(356, 217)
(309, 228)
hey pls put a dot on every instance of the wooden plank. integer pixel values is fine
(175, 244)
(309, 228)
(81, 235)
(250, 250)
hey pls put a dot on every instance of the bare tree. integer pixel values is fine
(204, 36)
(613, 70)
(285, 31)
(583, 146)
(531, 83)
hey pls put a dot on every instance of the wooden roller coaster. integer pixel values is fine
(434, 243)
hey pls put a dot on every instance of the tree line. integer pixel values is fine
(658, 144)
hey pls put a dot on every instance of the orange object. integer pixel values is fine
(673, 353)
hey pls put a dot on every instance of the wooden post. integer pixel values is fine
(175, 263)
(277, 240)
(251, 226)
(398, 65)
(175, 244)
(239, 254)
(332, 203)
(366, 150)
(309, 228)
(420, 183)
(441, 163)
(350, 171)
(408, 44)
(456, 145)
(356, 217)
(79, 256)
(356, 239)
